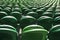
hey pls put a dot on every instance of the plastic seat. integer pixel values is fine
(10, 20)
(50, 14)
(40, 7)
(54, 33)
(16, 6)
(44, 8)
(1, 8)
(27, 20)
(39, 12)
(26, 11)
(30, 7)
(7, 26)
(7, 10)
(33, 14)
(23, 9)
(57, 9)
(30, 27)
(2, 14)
(50, 10)
(56, 20)
(8, 32)
(10, 5)
(16, 9)
(56, 14)
(34, 9)
(34, 34)
(45, 21)
(17, 15)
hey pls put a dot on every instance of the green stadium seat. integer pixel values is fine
(30, 27)
(44, 9)
(16, 14)
(23, 9)
(45, 21)
(56, 20)
(27, 20)
(54, 33)
(34, 9)
(16, 9)
(10, 5)
(7, 10)
(57, 9)
(9, 20)
(33, 14)
(40, 7)
(39, 12)
(7, 26)
(30, 7)
(56, 14)
(26, 11)
(1, 8)
(50, 14)
(8, 32)
(2, 14)
(34, 34)
(16, 6)
(50, 10)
